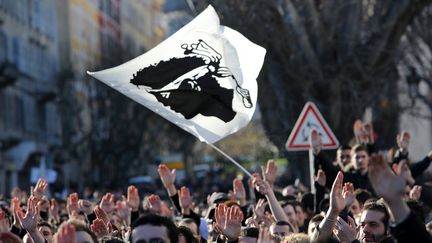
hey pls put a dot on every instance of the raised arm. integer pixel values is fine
(29, 220)
(407, 227)
(275, 207)
(340, 197)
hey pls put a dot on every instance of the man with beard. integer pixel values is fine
(374, 222)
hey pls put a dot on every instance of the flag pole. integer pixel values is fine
(232, 160)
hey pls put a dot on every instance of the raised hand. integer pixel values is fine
(264, 235)
(239, 191)
(185, 199)
(39, 189)
(29, 220)
(348, 190)
(100, 229)
(259, 209)
(43, 204)
(107, 203)
(15, 207)
(133, 198)
(167, 176)
(345, 232)
(270, 172)
(101, 214)
(228, 221)
(320, 178)
(262, 186)
(4, 222)
(403, 170)
(386, 184)
(85, 206)
(369, 132)
(155, 204)
(315, 141)
(123, 210)
(359, 133)
(403, 140)
(72, 203)
(389, 186)
(66, 234)
(168, 179)
(415, 193)
(54, 210)
(340, 195)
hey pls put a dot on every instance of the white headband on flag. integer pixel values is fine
(202, 78)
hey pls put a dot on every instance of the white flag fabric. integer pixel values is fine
(202, 78)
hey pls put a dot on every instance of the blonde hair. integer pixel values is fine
(296, 238)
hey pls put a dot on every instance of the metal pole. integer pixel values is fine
(311, 170)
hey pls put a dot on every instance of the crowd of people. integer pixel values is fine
(362, 196)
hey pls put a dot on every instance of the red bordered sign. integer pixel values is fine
(310, 118)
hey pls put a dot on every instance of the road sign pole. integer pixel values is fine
(311, 170)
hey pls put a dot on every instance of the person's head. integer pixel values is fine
(301, 215)
(313, 223)
(362, 195)
(280, 229)
(354, 208)
(343, 155)
(374, 221)
(186, 235)
(308, 203)
(360, 158)
(8, 237)
(289, 209)
(190, 224)
(47, 231)
(83, 233)
(153, 227)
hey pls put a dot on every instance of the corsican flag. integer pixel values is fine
(202, 78)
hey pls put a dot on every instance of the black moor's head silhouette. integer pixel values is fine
(188, 84)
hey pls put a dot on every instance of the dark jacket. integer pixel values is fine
(410, 230)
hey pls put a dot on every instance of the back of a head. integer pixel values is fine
(8, 237)
(187, 234)
(156, 220)
(362, 195)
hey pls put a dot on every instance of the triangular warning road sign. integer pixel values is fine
(310, 118)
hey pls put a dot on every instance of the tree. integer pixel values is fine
(340, 54)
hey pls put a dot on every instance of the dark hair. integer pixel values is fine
(358, 148)
(307, 202)
(187, 233)
(46, 224)
(156, 220)
(284, 223)
(293, 203)
(316, 218)
(362, 195)
(189, 221)
(250, 232)
(344, 147)
(378, 205)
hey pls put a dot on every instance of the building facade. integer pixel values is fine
(29, 118)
